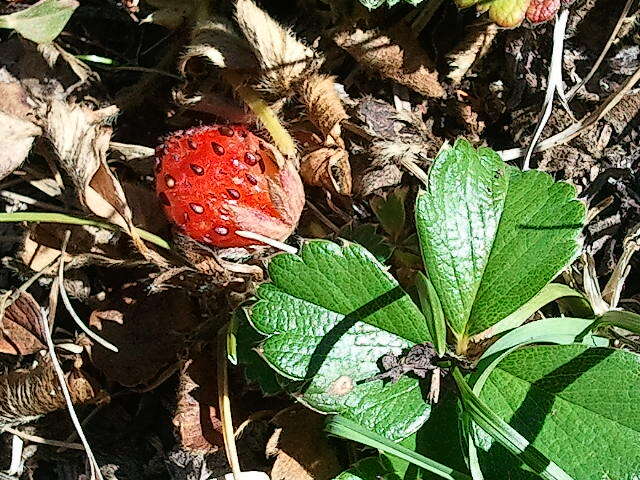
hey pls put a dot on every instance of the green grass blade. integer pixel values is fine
(491, 423)
(341, 427)
(50, 217)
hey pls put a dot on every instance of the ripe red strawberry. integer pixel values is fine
(216, 180)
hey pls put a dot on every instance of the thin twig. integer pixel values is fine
(43, 441)
(74, 315)
(224, 403)
(46, 321)
(554, 82)
(577, 128)
(269, 241)
(603, 54)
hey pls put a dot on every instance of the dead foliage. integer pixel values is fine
(28, 394)
(20, 318)
(196, 418)
(300, 448)
(149, 331)
(395, 55)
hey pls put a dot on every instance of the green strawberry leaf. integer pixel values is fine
(246, 339)
(42, 22)
(575, 404)
(457, 219)
(330, 314)
(391, 212)
(492, 236)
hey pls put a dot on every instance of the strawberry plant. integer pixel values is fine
(519, 400)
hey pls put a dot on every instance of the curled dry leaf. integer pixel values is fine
(327, 164)
(16, 139)
(79, 139)
(300, 447)
(475, 45)
(147, 329)
(327, 167)
(393, 54)
(324, 107)
(283, 59)
(219, 42)
(21, 326)
(27, 394)
(196, 418)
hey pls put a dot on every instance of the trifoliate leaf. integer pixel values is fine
(491, 236)
(330, 314)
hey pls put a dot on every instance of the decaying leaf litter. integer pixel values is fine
(359, 101)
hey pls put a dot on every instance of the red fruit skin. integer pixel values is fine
(542, 10)
(215, 180)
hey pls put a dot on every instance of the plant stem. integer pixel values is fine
(50, 217)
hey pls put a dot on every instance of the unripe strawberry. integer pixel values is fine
(216, 180)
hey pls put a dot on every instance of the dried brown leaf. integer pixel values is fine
(21, 326)
(300, 447)
(324, 107)
(149, 332)
(377, 178)
(17, 131)
(475, 45)
(393, 54)
(28, 394)
(196, 418)
(327, 167)
(16, 138)
(79, 140)
(42, 244)
(283, 59)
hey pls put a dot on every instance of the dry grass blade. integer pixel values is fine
(47, 320)
(224, 403)
(43, 441)
(65, 299)
(554, 82)
(576, 129)
(613, 288)
(603, 54)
